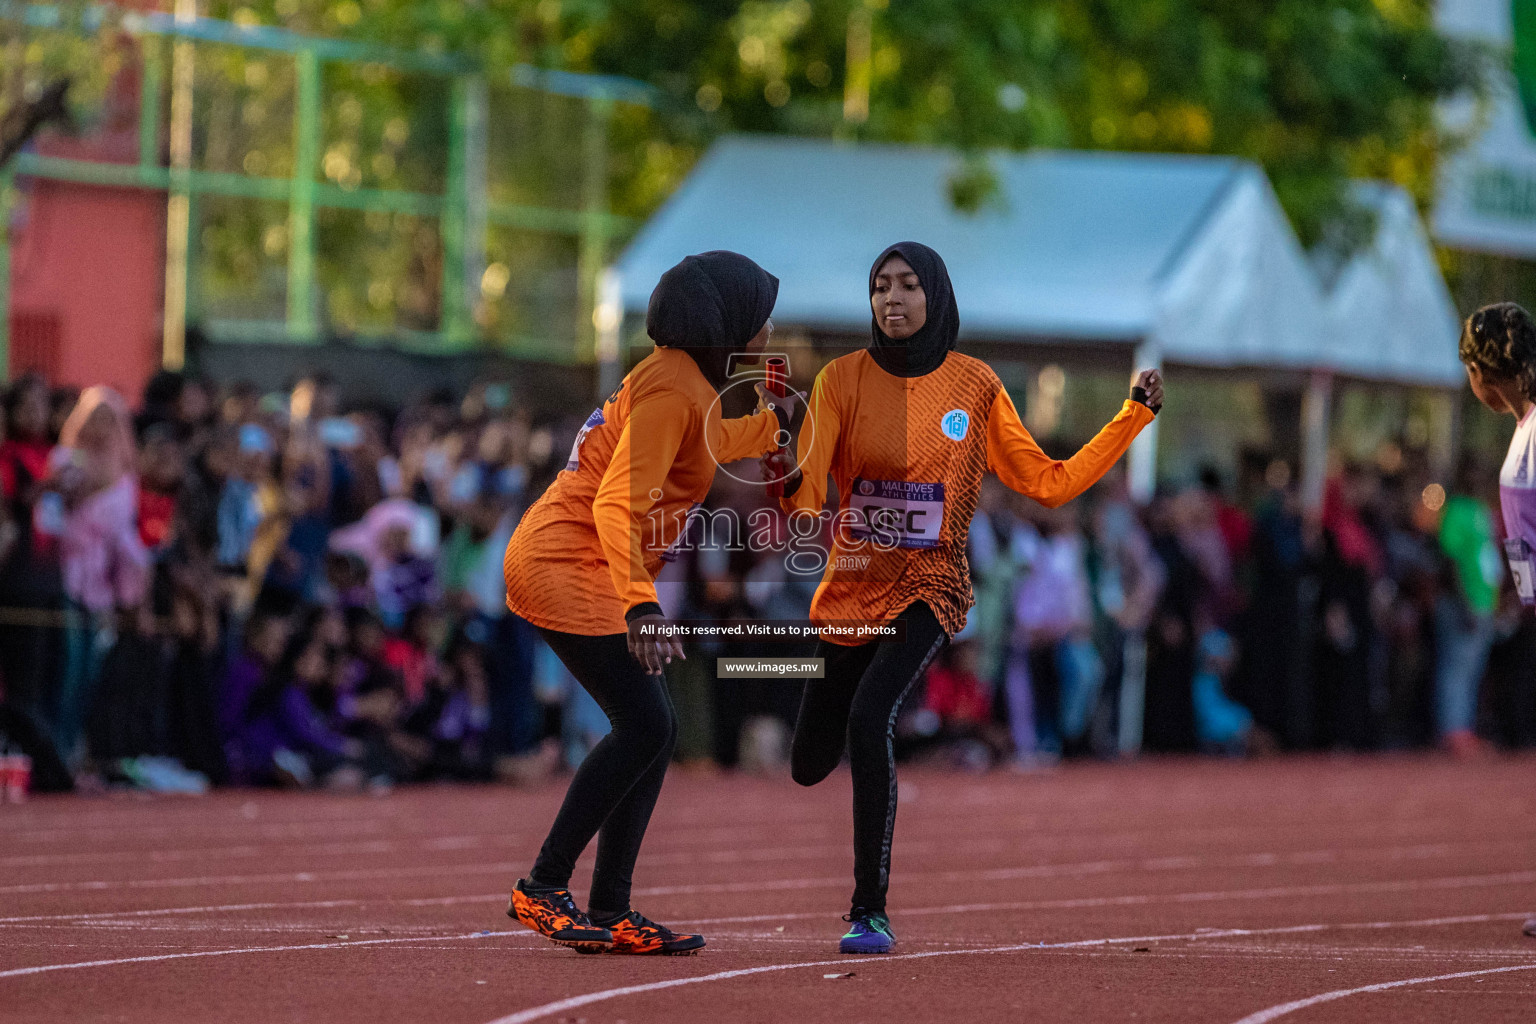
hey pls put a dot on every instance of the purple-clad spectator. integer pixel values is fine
(282, 735)
(266, 636)
(454, 716)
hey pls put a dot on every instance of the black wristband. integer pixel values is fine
(782, 415)
(639, 610)
(792, 483)
(1139, 396)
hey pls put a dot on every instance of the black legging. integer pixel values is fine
(857, 703)
(615, 788)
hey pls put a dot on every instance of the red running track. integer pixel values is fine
(1303, 890)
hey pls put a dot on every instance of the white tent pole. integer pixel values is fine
(1444, 428)
(1316, 411)
(1142, 476)
(608, 318)
(1141, 479)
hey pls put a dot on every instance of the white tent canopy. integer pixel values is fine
(1390, 315)
(1191, 256)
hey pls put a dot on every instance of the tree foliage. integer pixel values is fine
(1315, 92)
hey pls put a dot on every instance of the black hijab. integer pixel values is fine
(924, 352)
(710, 306)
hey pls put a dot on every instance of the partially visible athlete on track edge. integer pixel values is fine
(1498, 346)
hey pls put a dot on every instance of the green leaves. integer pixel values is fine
(1317, 94)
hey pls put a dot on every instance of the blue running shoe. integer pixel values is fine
(871, 932)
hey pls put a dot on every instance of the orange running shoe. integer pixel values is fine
(553, 914)
(633, 934)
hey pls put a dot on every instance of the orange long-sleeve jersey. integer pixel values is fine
(907, 455)
(589, 549)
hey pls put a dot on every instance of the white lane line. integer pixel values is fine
(241, 928)
(19, 972)
(1215, 895)
(360, 874)
(217, 826)
(686, 857)
(1201, 934)
(1212, 895)
(1045, 871)
(575, 1002)
(693, 857)
(1036, 822)
(690, 856)
(1264, 1016)
(1416, 852)
(511, 868)
(433, 901)
(245, 850)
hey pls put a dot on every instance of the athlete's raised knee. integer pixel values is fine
(807, 774)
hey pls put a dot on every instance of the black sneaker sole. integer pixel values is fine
(583, 945)
(579, 945)
(690, 949)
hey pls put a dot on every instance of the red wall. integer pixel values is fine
(88, 262)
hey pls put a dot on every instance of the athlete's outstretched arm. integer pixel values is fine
(754, 436)
(1018, 461)
(746, 437)
(637, 472)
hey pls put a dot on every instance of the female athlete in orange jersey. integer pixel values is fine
(906, 428)
(580, 568)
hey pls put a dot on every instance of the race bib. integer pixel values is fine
(595, 420)
(898, 513)
(1518, 552)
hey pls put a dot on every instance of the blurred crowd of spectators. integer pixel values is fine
(1233, 620)
(227, 587)
(231, 587)
(1221, 618)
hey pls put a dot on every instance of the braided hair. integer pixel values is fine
(1501, 340)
